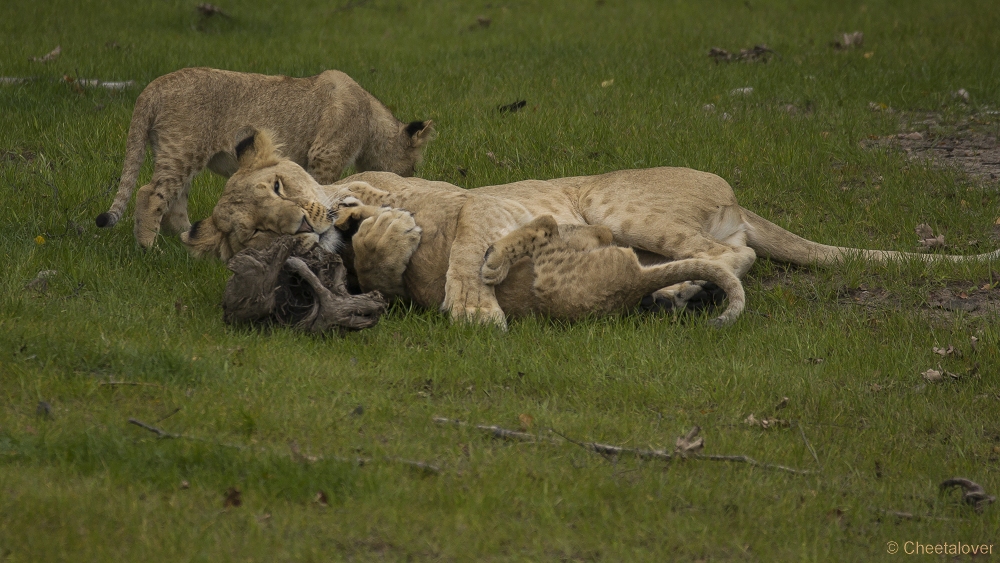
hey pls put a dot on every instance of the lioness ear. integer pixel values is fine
(204, 239)
(256, 149)
(420, 132)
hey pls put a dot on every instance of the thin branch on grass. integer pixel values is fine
(612, 453)
(130, 383)
(169, 414)
(496, 431)
(160, 433)
(909, 515)
(295, 453)
(809, 446)
(351, 5)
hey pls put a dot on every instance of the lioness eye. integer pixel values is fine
(277, 187)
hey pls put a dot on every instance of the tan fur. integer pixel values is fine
(192, 117)
(257, 207)
(550, 240)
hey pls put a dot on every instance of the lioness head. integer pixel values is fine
(268, 196)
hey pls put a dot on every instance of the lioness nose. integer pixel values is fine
(305, 227)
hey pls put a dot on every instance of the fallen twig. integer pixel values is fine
(751, 461)
(972, 493)
(296, 454)
(809, 446)
(158, 431)
(496, 431)
(132, 383)
(686, 445)
(909, 515)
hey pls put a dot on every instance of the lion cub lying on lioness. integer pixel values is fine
(678, 214)
(191, 117)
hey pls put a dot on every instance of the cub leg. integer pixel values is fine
(528, 240)
(522, 242)
(170, 180)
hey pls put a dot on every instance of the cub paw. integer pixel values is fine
(495, 267)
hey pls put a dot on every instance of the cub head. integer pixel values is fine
(402, 153)
(268, 196)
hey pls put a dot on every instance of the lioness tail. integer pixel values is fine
(770, 240)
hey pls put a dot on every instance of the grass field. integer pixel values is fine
(609, 85)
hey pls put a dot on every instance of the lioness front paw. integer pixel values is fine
(392, 233)
(473, 303)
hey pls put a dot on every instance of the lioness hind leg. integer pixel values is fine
(522, 242)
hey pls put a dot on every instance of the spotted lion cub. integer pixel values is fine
(193, 117)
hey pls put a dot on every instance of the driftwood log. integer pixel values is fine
(308, 291)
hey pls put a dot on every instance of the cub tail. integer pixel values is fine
(135, 154)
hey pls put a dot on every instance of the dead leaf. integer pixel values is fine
(321, 499)
(974, 342)
(944, 351)
(756, 53)
(512, 107)
(744, 91)
(185, 485)
(209, 10)
(782, 404)
(961, 94)
(41, 281)
(497, 161)
(607, 83)
(53, 54)
(815, 360)
(526, 420)
(848, 40)
(482, 22)
(233, 498)
(932, 375)
(297, 454)
(926, 238)
(43, 409)
(180, 306)
(688, 444)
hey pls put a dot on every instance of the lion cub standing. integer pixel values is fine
(191, 119)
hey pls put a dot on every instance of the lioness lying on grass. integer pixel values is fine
(531, 246)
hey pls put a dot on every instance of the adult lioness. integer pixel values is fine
(535, 266)
(192, 116)
(675, 213)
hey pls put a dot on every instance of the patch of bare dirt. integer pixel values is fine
(969, 143)
(983, 301)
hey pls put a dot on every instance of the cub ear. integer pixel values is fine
(255, 148)
(420, 132)
(203, 239)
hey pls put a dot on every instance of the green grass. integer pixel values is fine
(84, 485)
